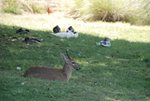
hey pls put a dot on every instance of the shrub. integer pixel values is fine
(11, 6)
(19, 6)
(37, 8)
(133, 11)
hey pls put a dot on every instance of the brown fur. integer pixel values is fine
(51, 73)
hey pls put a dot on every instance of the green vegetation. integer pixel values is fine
(118, 73)
(21, 6)
(133, 11)
(11, 6)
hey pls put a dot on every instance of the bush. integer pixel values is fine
(11, 6)
(133, 11)
(20, 6)
(37, 8)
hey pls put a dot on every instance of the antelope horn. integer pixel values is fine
(67, 54)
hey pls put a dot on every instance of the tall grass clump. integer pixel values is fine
(21, 6)
(11, 6)
(133, 11)
(34, 6)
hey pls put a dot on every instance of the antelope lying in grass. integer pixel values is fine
(54, 74)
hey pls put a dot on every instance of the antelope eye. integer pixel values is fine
(74, 64)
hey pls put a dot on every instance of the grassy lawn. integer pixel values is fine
(118, 73)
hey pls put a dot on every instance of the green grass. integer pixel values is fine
(118, 73)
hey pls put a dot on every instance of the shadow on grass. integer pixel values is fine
(123, 65)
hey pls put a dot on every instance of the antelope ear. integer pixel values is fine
(66, 60)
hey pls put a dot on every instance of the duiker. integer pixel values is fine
(54, 74)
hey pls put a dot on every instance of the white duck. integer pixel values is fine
(68, 34)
